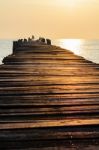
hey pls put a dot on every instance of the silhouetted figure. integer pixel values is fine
(19, 42)
(25, 40)
(42, 40)
(30, 40)
(48, 41)
(32, 37)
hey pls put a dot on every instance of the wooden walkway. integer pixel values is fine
(48, 97)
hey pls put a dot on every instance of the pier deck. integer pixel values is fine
(49, 99)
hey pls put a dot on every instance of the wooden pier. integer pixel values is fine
(49, 99)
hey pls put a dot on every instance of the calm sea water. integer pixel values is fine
(89, 49)
(5, 48)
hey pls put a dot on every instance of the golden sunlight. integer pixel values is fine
(69, 3)
(74, 3)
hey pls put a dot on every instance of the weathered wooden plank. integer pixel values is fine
(47, 59)
(47, 72)
(50, 97)
(28, 118)
(46, 66)
(48, 80)
(66, 67)
(45, 51)
(32, 101)
(50, 89)
(50, 123)
(55, 133)
(56, 55)
(59, 110)
(35, 73)
(53, 63)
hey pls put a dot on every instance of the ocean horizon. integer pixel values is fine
(89, 49)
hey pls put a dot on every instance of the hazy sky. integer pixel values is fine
(49, 18)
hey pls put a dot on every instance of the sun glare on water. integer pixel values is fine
(71, 44)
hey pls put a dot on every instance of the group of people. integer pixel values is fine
(32, 40)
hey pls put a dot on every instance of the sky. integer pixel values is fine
(49, 18)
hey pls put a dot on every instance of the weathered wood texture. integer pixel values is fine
(48, 93)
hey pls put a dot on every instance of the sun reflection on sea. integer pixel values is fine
(71, 44)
